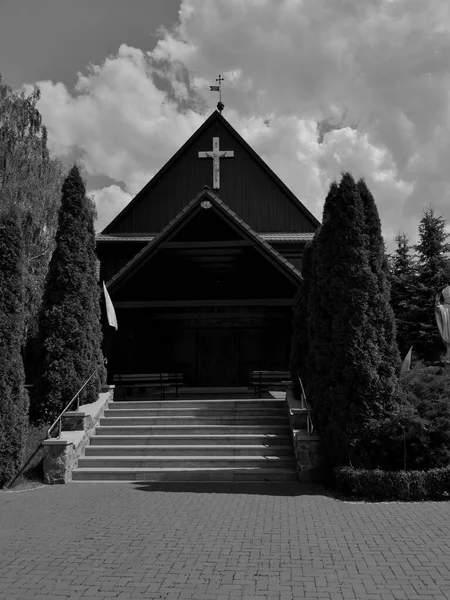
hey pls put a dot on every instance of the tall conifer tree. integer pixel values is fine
(433, 275)
(13, 397)
(353, 370)
(319, 307)
(382, 314)
(402, 277)
(70, 330)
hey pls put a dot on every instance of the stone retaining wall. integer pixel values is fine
(305, 445)
(61, 454)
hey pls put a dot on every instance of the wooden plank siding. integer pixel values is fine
(246, 187)
(207, 297)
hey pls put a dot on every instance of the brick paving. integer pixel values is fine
(218, 542)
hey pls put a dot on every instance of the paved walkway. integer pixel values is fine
(221, 542)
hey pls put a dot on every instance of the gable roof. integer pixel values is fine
(206, 194)
(268, 237)
(215, 116)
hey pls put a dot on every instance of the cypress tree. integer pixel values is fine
(13, 397)
(70, 330)
(354, 368)
(382, 314)
(320, 304)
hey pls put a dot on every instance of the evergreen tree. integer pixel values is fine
(381, 313)
(433, 275)
(352, 360)
(13, 397)
(319, 304)
(70, 331)
(30, 184)
(402, 277)
(402, 263)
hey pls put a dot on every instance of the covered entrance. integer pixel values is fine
(207, 298)
(209, 350)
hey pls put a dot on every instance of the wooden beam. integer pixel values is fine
(204, 252)
(187, 303)
(211, 244)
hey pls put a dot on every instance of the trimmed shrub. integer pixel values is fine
(427, 382)
(428, 433)
(13, 396)
(70, 331)
(393, 485)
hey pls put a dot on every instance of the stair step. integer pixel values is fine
(210, 403)
(260, 450)
(194, 439)
(235, 412)
(176, 420)
(145, 462)
(192, 429)
(186, 474)
(230, 438)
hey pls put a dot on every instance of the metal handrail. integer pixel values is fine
(309, 422)
(58, 421)
(77, 398)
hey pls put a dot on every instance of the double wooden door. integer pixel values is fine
(217, 357)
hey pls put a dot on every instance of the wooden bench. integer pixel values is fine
(154, 380)
(263, 380)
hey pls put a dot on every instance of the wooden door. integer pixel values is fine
(217, 357)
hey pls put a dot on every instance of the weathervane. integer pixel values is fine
(218, 88)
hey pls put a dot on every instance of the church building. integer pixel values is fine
(203, 265)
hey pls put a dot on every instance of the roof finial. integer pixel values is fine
(218, 88)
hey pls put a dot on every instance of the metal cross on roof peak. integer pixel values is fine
(218, 88)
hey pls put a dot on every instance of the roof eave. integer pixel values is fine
(127, 271)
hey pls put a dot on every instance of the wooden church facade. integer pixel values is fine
(203, 265)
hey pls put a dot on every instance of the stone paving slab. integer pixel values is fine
(226, 541)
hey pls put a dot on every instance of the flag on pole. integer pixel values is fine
(406, 364)
(110, 312)
(214, 88)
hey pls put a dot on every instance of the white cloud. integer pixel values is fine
(125, 126)
(292, 64)
(109, 201)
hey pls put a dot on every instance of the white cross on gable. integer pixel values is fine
(216, 155)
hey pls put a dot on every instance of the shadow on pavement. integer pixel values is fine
(232, 487)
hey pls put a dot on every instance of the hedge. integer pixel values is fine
(393, 485)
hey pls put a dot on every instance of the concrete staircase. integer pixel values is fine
(191, 440)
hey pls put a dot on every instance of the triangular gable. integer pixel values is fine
(183, 218)
(275, 207)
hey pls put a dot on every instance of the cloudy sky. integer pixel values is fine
(314, 86)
